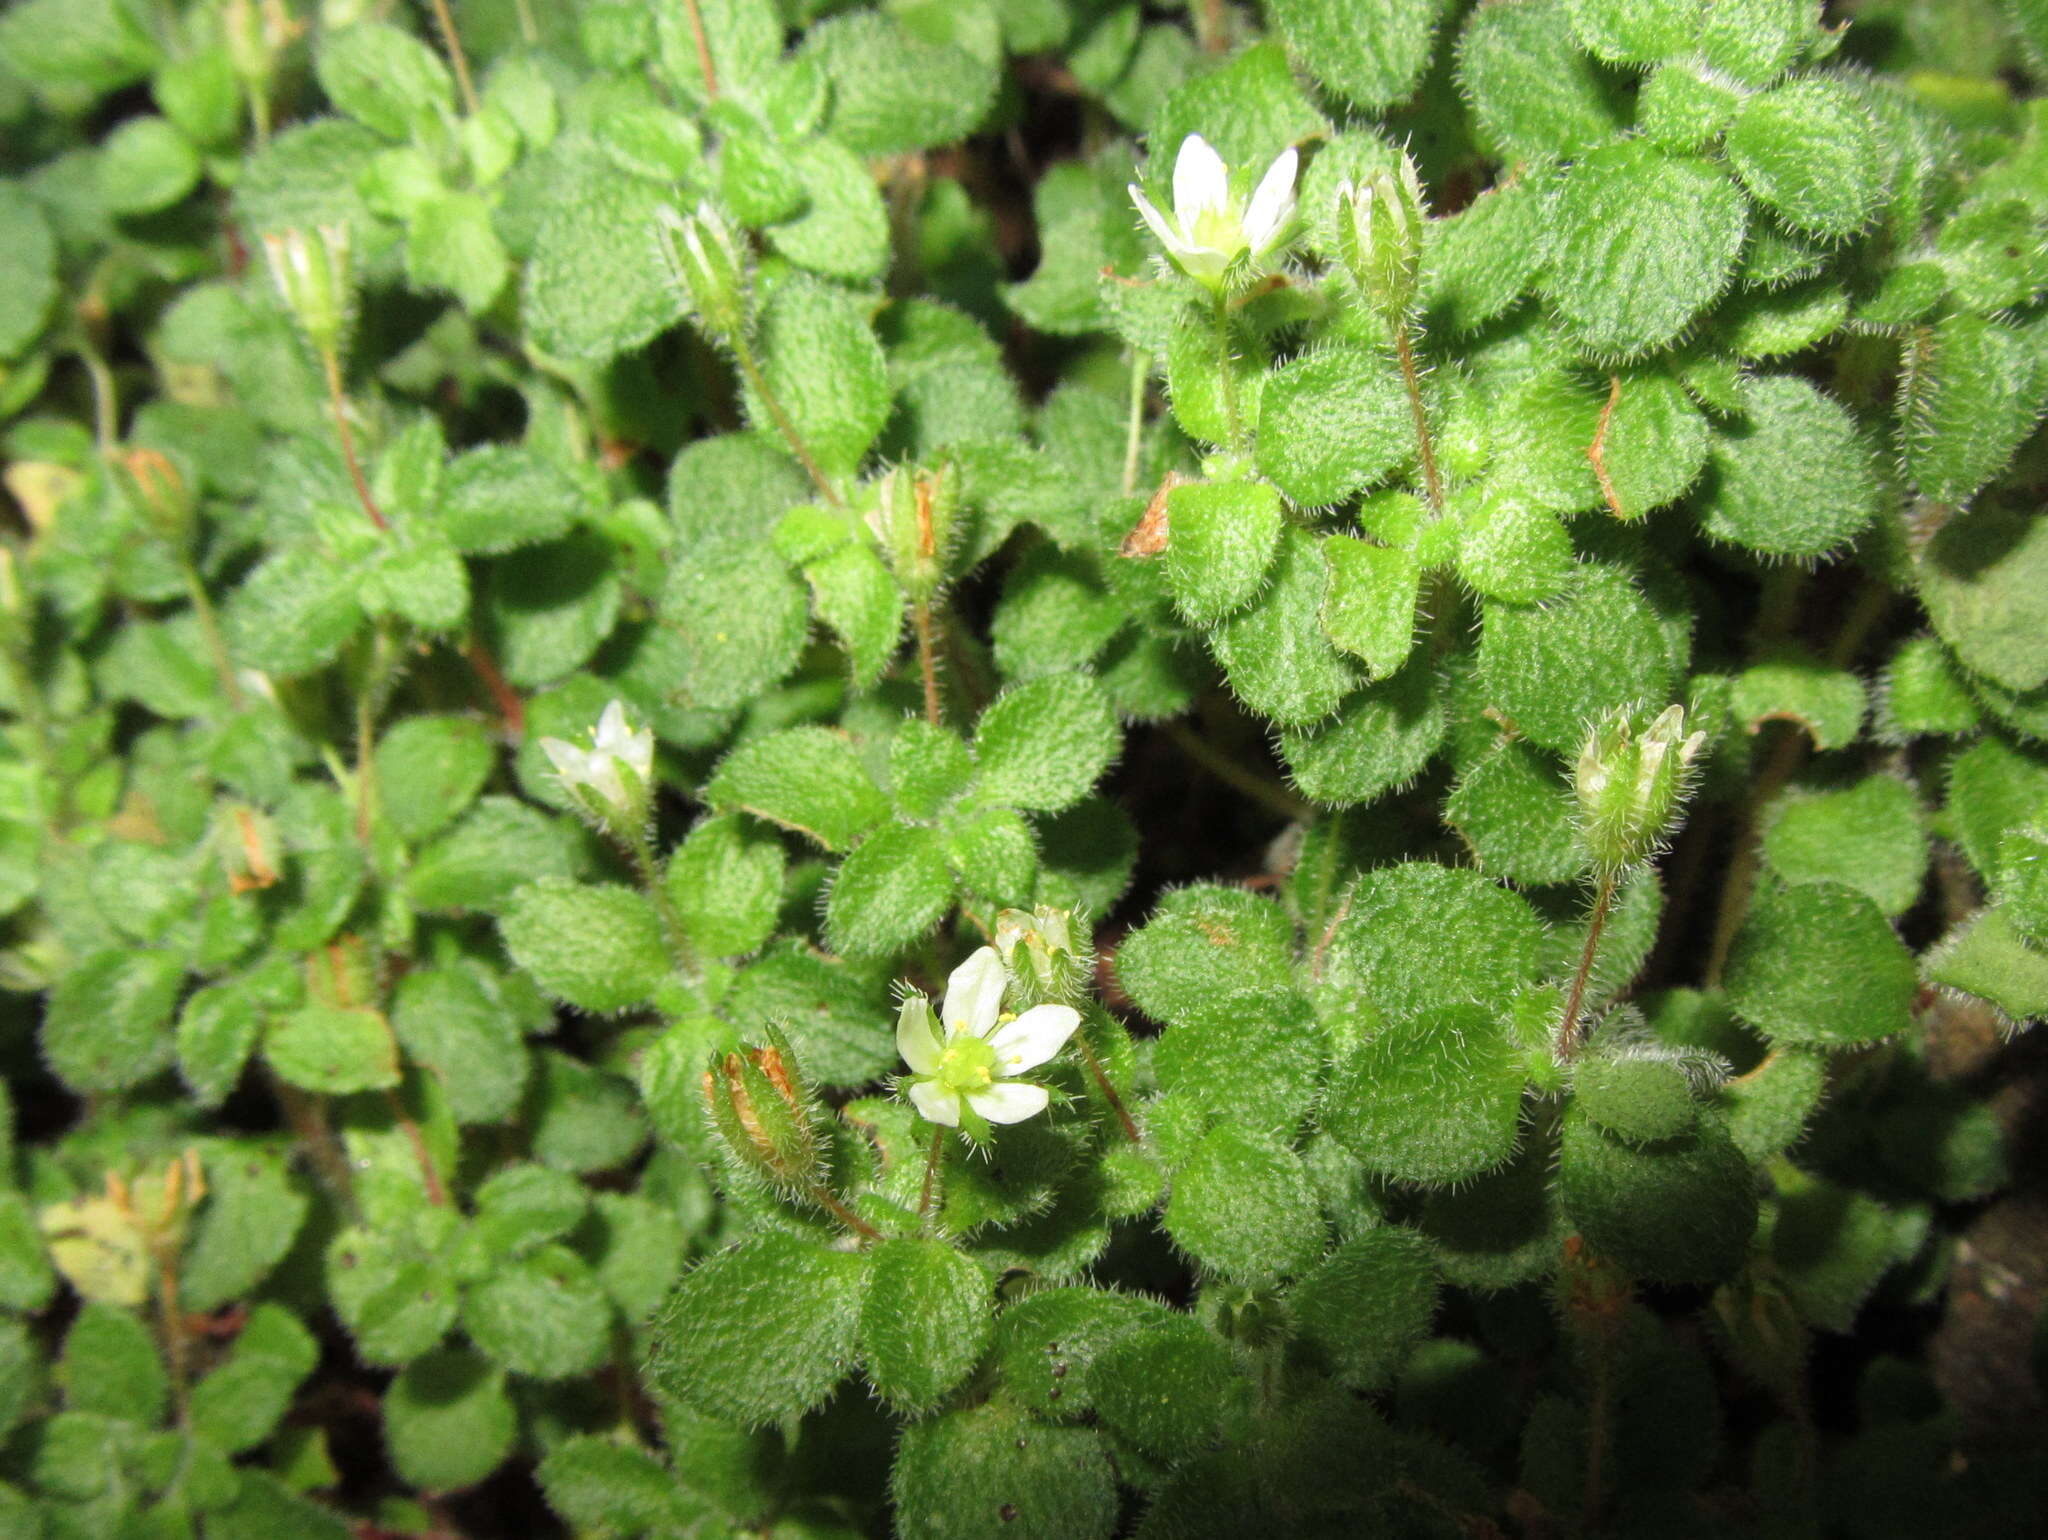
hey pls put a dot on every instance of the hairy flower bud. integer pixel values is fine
(758, 1102)
(913, 519)
(316, 279)
(1630, 788)
(163, 497)
(1040, 956)
(707, 265)
(1379, 235)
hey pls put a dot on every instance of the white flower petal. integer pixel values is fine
(915, 1038)
(1200, 181)
(612, 731)
(974, 994)
(1011, 1101)
(1161, 226)
(1273, 204)
(938, 1104)
(1033, 1037)
(570, 762)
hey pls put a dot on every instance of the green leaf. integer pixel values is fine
(725, 882)
(1222, 540)
(497, 848)
(111, 1368)
(1433, 1098)
(598, 1484)
(240, 1403)
(396, 1300)
(496, 498)
(1532, 92)
(1869, 836)
(1833, 1245)
(928, 767)
(805, 778)
(1479, 261)
(893, 889)
(293, 614)
(639, 1245)
(1516, 812)
(993, 854)
(455, 1024)
(1634, 31)
(1511, 550)
(1243, 1208)
(146, 164)
(584, 1118)
(1042, 745)
(915, 77)
(1203, 941)
(1249, 109)
(384, 78)
(544, 1315)
(1993, 788)
(548, 607)
(1368, 1303)
(218, 1027)
(598, 946)
(1331, 423)
(1048, 1342)
(429, 770)
(1417, 936)
(827, 371)
(1169, 1388)
(1369, 605)
(831, 1014)
(1794, 478)
(1991, 957)
(31, 248)
(1370, 52)
(1806, 151)
(333, 1049)
(842, 231)
(1829, 703)
(858, 597)
(761, 1331)
(1681, 1211)
(104, 1028)
(1818, 963)
(1551, 669)
(1381, 737)
(1274, 653)
(595, 285)
(26, 1277)
(254, 1212)
(1644, 242)
(451, 245)
(1638, 1100)
(1984, 581)
(992, 1472)
(75, 50)
(741, 619)
(1656, 442)
(448, 1422)
(520, 1207)
(924, 1322)
(1201, 1059)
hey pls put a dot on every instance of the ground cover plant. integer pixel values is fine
(1022, 768)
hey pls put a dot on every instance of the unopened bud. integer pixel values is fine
(707, 265)
(1038, 952)
(1630, 788)
(314, 276)
(1379, 235)
(759, 1105)
(1762, 1332)
(913, 518)
(163, 496)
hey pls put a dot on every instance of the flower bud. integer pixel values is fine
(163, 497)
(1631, 788)
(1761, 1330)
(913, 519)
(758, 1103)
(612, 781)
(707, 265)
(315, 278)
(1038, 952)
(1379, 234)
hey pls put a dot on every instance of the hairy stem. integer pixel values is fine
(931, 1176)
(743, 350)
(1268, 794)
(337, 401)
(430, 1175)
(1404, 354)
(1569, 1038)
(1134, 425)
(1227, 376)
(927, 659)
(1597, 450)
(209, 628)
(510, 707)
(1101, 1078)
(824, 1197)
(451, 40)
(703, 43)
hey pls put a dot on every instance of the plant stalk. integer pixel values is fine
(1404, 354)
(451, 40)
(743, 350)
(337, 401)
(1569, 1038)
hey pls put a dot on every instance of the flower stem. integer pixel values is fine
(1227, 376)
(743, 350)
(337, 401)
(1101, 1078)
(370, 706)
(931, 1177)
(1404, 353)
(823, 1196)
(451, 40)
(209, 628)
(697, 36)
(1597, 451)
(1268, 794)
(1569, 1038)
(430, 1176)
(927, 660)
(1134, 425)
(648, 865)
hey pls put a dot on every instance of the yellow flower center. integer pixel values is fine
(967, 1064)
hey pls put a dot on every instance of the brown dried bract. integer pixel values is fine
(1148, 537)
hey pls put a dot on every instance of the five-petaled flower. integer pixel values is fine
(1210, 229)
(598, 770)
(966, 1070)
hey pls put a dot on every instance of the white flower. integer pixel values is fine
(614, 746)
(1210, 229)
(981, 1049)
